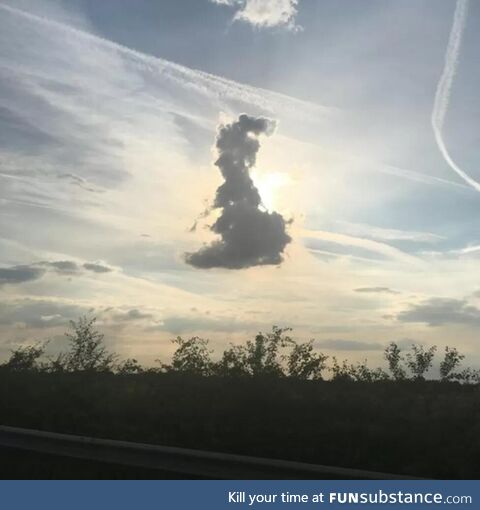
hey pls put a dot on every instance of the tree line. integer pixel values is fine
(273, 354)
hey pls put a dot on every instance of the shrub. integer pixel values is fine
(192, 356)
(25, 358)
(304, 363)
(87, 348)
(420, 360)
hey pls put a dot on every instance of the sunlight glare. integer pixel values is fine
(269, 185)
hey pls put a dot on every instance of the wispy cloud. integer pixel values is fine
(204, 83)
(368, 245)
(387, 234)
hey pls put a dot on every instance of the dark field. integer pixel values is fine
(419, 428)
(18, 464)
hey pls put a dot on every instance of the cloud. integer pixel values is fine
(264, 13)
(26, 273)
(438, 311)
(178, 325)
(180, 76)
(269, 13)
(40, 313)
(469, 251)
(250, 236)
(421, 177)
(349, 345)
(97, 268)
(326, 250)
(387, 234)
(76, 180)
(67, 267)
(341, 244)
(132, 315)
(20, 274)
(406, 343)
(367, 290)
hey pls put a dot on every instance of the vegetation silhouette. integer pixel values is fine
(273, 354)
(270, 397)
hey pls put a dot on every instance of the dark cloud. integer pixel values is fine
(438, 311)
(26, 273)
(132, 315)
(349, 345)
(250, 235)
(40, 313)
(374, 290)
(97, 268)
(20, 274)
(179, 325)
(67, 267)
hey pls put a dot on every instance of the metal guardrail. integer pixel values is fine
(183, 461)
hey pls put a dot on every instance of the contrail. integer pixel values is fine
(444, 87)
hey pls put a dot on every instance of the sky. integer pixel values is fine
(215, 167)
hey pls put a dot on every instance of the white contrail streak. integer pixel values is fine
(444, 87)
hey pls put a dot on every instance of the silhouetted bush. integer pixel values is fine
(394, 359)
(450, 362)
(87, 349)
(304, 363)
(191, 356)
(25, 358)
(419, 361)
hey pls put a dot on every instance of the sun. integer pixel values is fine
(269, 184)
